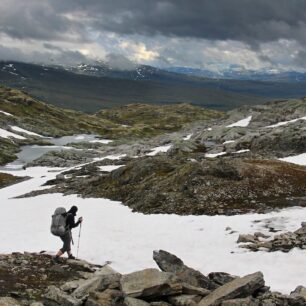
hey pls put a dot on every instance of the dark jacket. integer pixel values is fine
(70, 221)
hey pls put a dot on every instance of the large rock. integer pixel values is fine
(238, 288)
(85, 287)
(221, 278)
(240, 302)
(185, 300)
(170, 263)
(8, 301)
(129, 301)
(150, 283)
(60, 297)
(107, 298)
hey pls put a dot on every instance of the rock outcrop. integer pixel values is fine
(282, 242)
(31, 279)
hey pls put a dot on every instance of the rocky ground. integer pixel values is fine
(34, 279)
(281, 242)
(171, 183)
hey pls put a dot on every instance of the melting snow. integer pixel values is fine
(110, 168)
(242, 151)
(160, 149)
(111, 231)
(228, 141)
(7, 134)
(285, 122)
(296, 159)
(213, 155)
(187, 137)
(242, 123)
(18, 129)
(105, 141)
(5, 113)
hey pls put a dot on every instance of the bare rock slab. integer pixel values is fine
(60, 297)
(170, 263)
(150, 283)
(129, 301)
(238, 288)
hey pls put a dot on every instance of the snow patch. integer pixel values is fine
(129, 239)
(110, 168)
(18, 129)
(7, 134)
(5, 113)
(105, 141)
(161, 149)
(241, 123)
(228, 141)
(213, 155)
(285, 122)
(296, 159)
(187, 137)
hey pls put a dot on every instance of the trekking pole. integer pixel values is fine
(79, 241)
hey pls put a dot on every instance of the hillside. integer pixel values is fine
(29, 119)
(89, 93)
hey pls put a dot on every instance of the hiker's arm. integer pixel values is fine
(71, 222)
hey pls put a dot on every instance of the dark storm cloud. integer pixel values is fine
(37, 19)
(243, 20)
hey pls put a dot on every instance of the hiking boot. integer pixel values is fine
(56, 260)
(71, 257)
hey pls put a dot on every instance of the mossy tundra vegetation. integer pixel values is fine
(135, 121)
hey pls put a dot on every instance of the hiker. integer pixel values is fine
(66, 237)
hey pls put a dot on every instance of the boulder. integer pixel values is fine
(129, 301)
(299, 291)
(185, 300)
(8, 301)
(221, 278)
(85, 287)
(109, 297)
(246, 238)
(150, 283)
(238, 288)
(170, 263)
(60, 297)
(240, 302)
(109, 281)
(192, 290)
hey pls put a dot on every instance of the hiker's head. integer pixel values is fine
(73, 210)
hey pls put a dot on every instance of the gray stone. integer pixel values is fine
(129, 301)
(150, 283)
(246, 238)
(107, 298)
(170, 263)
(108, 281)
(185, 300)
(192, 290)
(240, 302)
(85, 287)
(60, 297)
(221, 278)
(8, 301)
(238, 288)
(72, 285)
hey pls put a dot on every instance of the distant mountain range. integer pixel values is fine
(92, 87)
(236, 73)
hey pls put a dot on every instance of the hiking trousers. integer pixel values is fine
(67, 242)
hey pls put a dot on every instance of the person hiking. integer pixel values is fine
(67, 237)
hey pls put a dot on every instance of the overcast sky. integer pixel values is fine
(207, 34)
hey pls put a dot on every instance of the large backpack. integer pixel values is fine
(58, 224)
